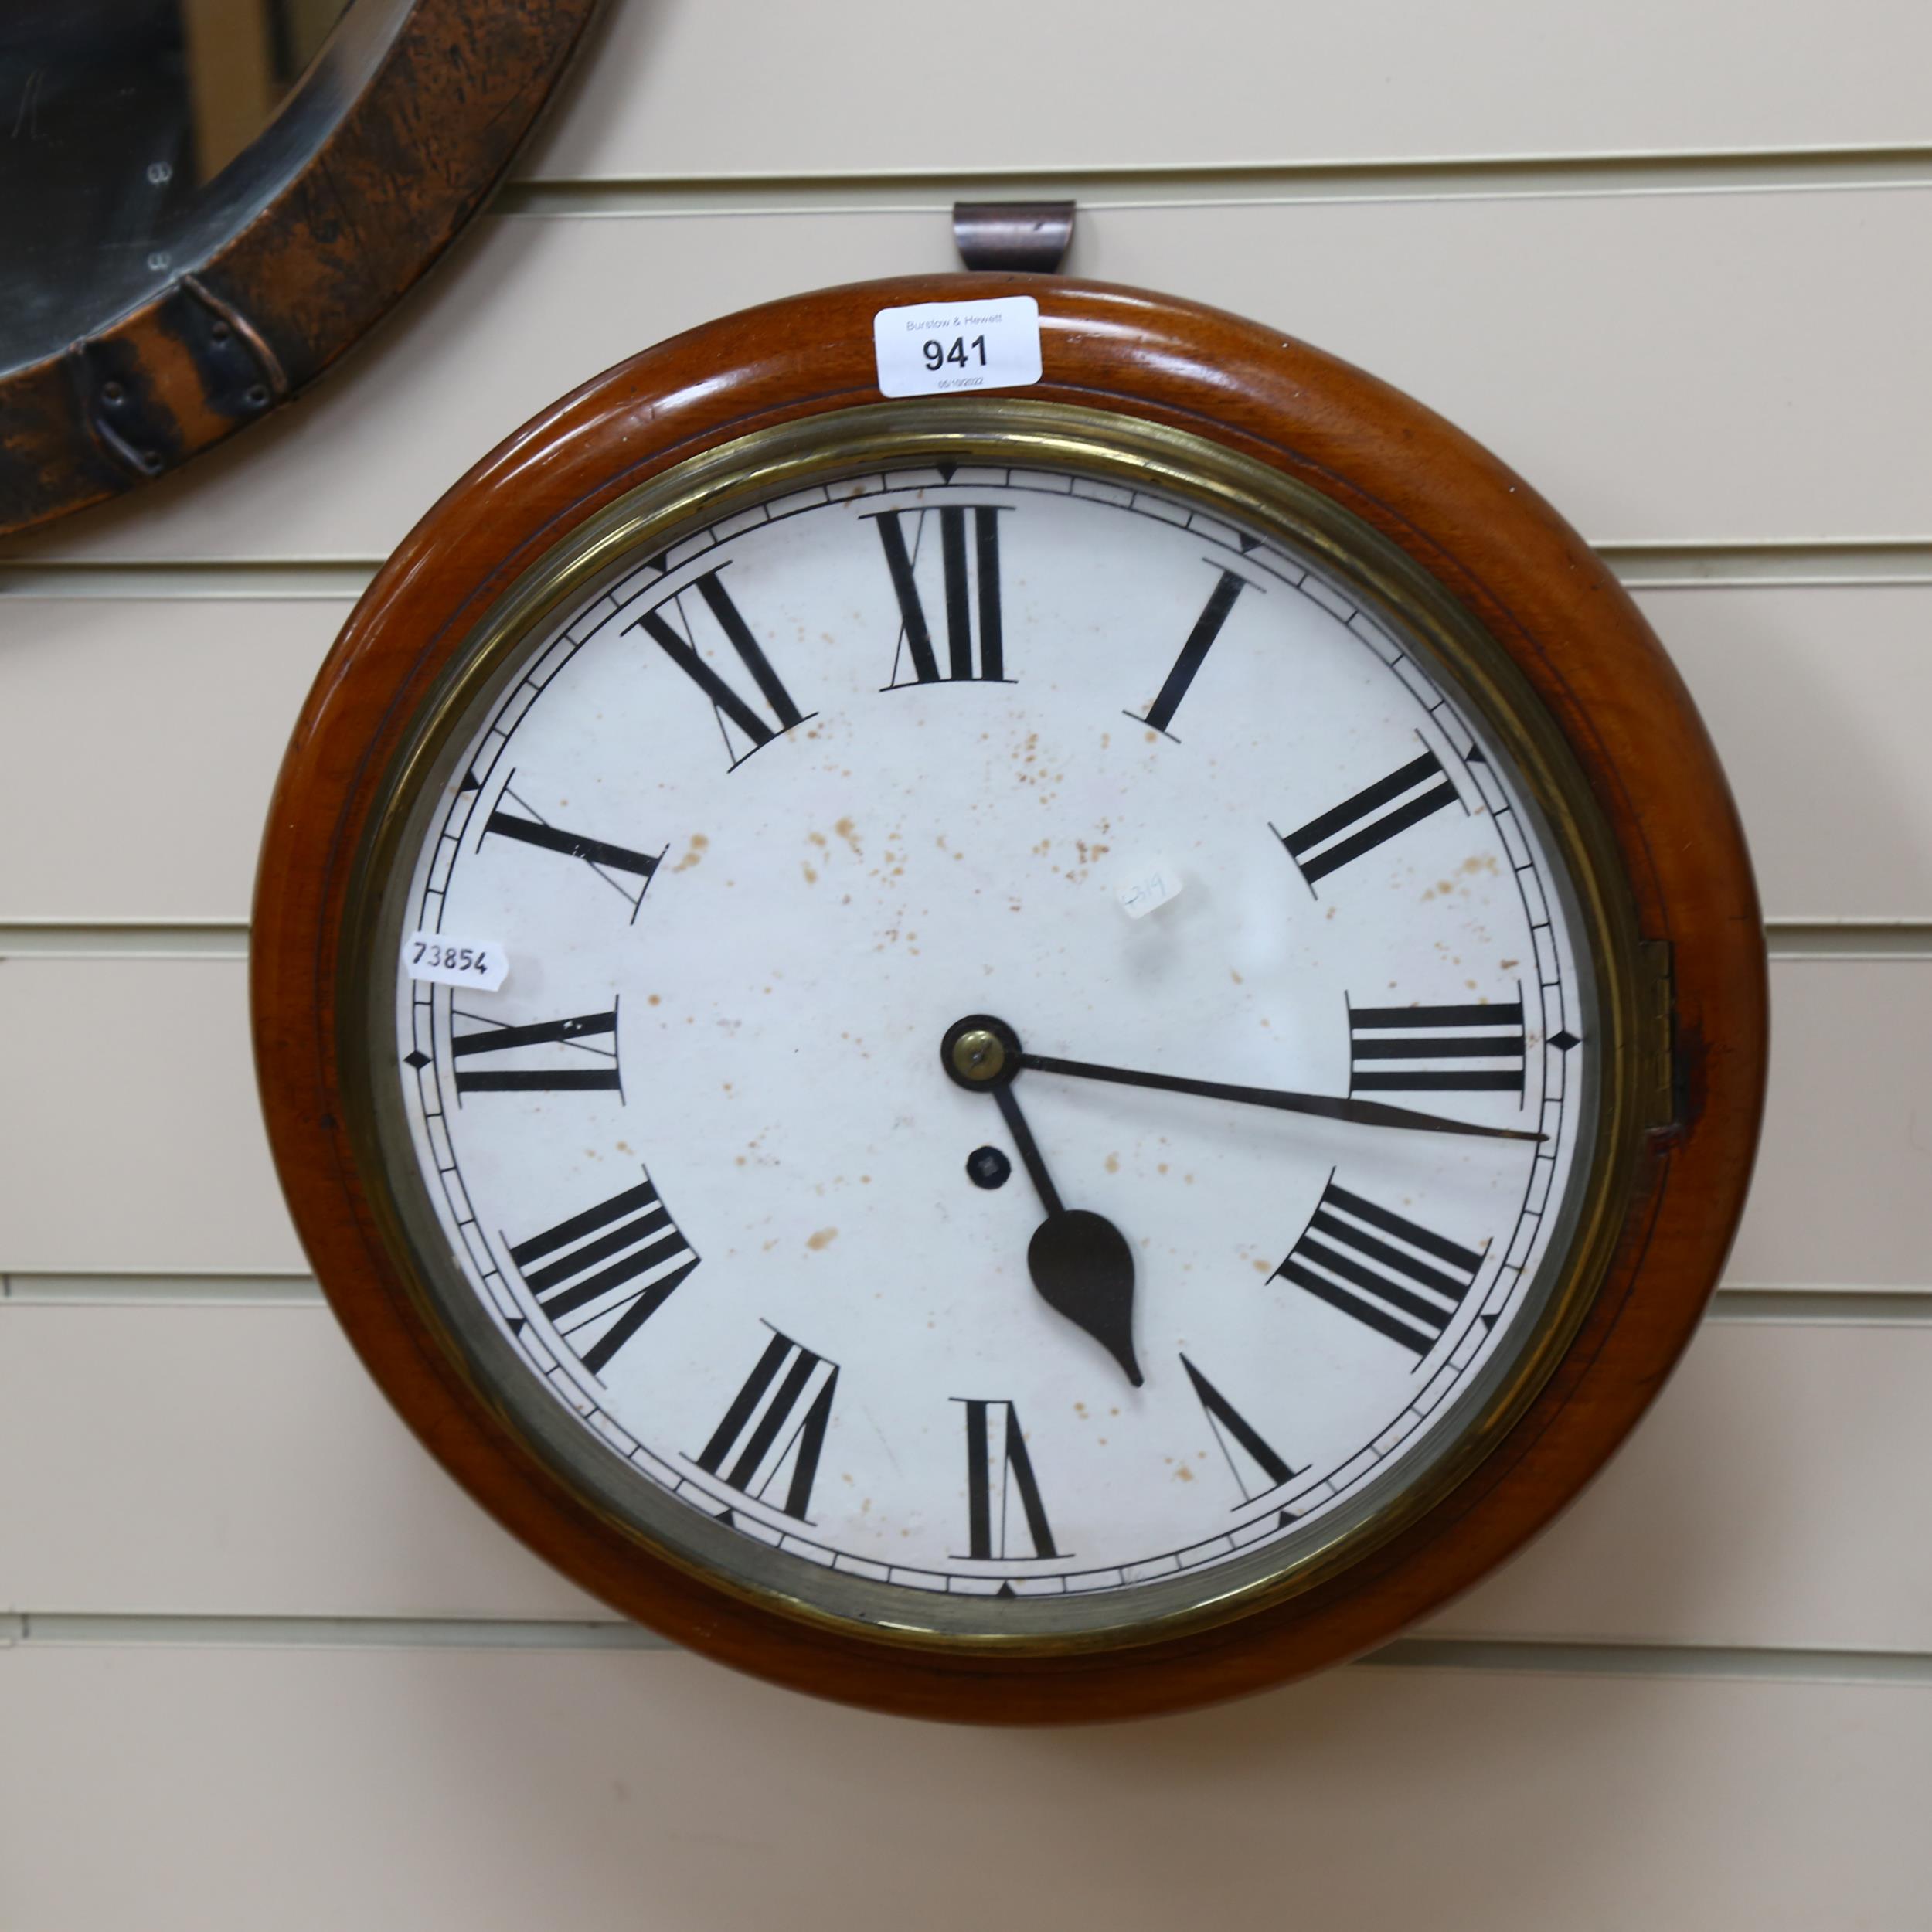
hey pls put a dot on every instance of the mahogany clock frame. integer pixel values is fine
(1527, 579)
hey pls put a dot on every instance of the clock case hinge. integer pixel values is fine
(1658, 1098)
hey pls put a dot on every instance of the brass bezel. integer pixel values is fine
(1105, 443)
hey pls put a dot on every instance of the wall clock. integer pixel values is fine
(1019, 1054)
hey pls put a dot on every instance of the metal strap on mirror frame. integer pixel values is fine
(1014, 237)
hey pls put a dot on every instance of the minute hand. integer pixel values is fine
(1325, 1106)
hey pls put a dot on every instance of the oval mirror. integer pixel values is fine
(203, 202)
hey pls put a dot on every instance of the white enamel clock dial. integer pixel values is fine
(831, 851)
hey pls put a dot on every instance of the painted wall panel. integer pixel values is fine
(132, 1141)
(232, 1461)
(487, 1790)
(146, 801)
(1774, 1497)
(689, 88)
(164, 825)
(1654, 364)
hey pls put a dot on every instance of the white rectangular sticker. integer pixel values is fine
(1152, 888)
(450, 961)
(935, 348)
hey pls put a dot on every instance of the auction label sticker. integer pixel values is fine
(448, 962)
(939, 349)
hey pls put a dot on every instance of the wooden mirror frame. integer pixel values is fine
(1532, 583)
(413, 155)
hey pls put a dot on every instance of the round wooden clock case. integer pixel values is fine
(1278, 472)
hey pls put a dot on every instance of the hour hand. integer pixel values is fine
(1081, 1265)
(1080, 1261)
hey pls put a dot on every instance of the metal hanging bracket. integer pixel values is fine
(1017, 237)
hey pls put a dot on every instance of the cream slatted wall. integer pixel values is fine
(261, 1664)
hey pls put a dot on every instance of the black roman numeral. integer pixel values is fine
(605, 1272)
(1207, 628)
(584, 1036)
(1417, 1049)
(1233, 1431)
(604, 858)
(727, 704)
(759, 1440)
(1407, 1286)
(997, 1467)
(963, 592)
(1375, 813)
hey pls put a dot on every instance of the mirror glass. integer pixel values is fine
(137, 135)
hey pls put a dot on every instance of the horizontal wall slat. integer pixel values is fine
(1833, 1306)
(1641, 567)
(130, 1141)
(316, 1790)
(1813, 698)
(1841, 938)
(1655, 365)
(150, 734)
(1842, 1194)
(332, 1510)
(1774, 1495)
(144, 939)
(1701, 1663)
(1098, 190)
(695, 88)
(161, 826)
(1773, 1498)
